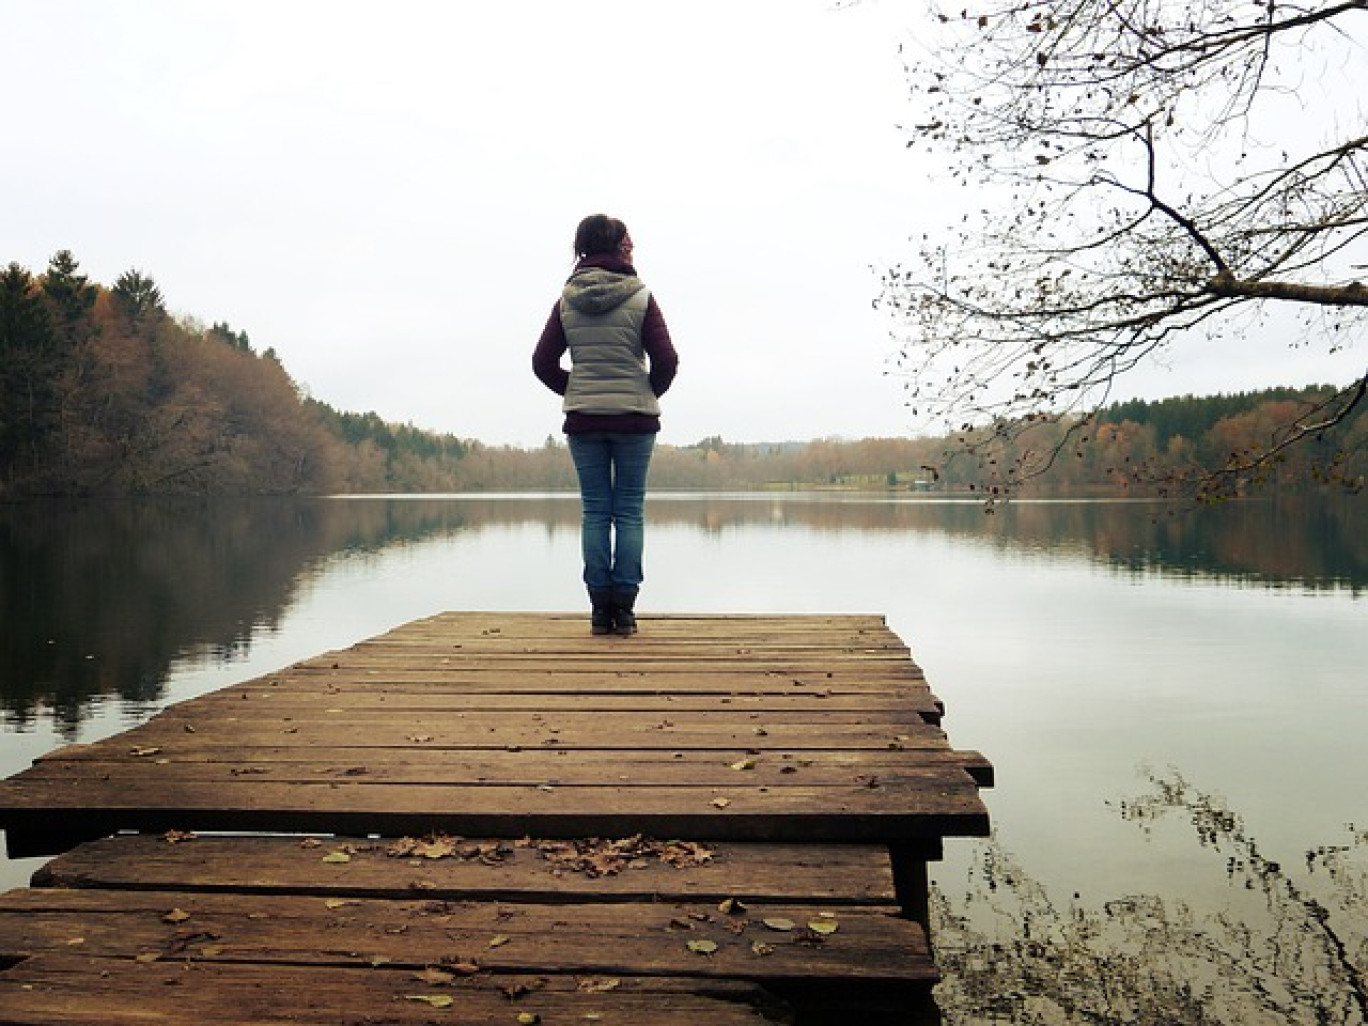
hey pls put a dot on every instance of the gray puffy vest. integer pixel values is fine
(608, 371)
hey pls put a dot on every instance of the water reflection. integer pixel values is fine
(1288, 945)
(99, 598)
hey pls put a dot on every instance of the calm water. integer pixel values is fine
(1175, 703)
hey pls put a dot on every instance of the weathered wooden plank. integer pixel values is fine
(433, 699)
(640, 939)
(191, 717)
(516, 760)
(639, 736)
(482, 869)
(659, 646)
(671, 671)
(639, 733)
(573, 624)
(70, 990)
(742, 811)
(527, 768)
(615, 685)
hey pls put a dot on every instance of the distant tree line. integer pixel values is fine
(1208, 448)
(102, 392)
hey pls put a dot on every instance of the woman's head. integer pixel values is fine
(601, 235)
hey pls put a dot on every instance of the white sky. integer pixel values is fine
(386, 193)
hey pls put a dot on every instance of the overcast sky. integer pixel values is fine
(386, 193)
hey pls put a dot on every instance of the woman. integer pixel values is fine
(621, 361)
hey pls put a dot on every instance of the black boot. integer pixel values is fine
(601, 611)
(624, 619)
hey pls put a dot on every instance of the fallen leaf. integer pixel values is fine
(598, 986)
(779, 923)
(721, 803)
(499, 941)
(147, 956)
(761, 948)
(528, 1018)
(731, 907)
(76, 941)
(340, 902)
(435, 1000)
(336, 857)
(702, 947)
(437, 848)
(685, 854)
(744, 764)
(825, 927)
(141, 751)
(176, 915)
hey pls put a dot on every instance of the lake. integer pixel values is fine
(1174, 701)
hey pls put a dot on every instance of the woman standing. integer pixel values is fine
(621, 361)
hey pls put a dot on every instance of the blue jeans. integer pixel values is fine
(612, 477)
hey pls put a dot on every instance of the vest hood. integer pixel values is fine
(596, 290)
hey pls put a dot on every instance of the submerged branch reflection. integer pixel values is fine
(1289, 946)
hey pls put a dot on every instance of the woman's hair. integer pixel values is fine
(598, 234)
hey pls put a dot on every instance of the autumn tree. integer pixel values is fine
(1142, 172)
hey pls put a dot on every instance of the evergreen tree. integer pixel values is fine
(70, 293)
(27, 364)
(138, 297)
(224, 333)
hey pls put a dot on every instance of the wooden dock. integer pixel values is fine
(495, 817)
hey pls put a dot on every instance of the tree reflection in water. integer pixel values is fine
(1290, 945)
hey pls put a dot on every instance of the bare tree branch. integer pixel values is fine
(1079, 269)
